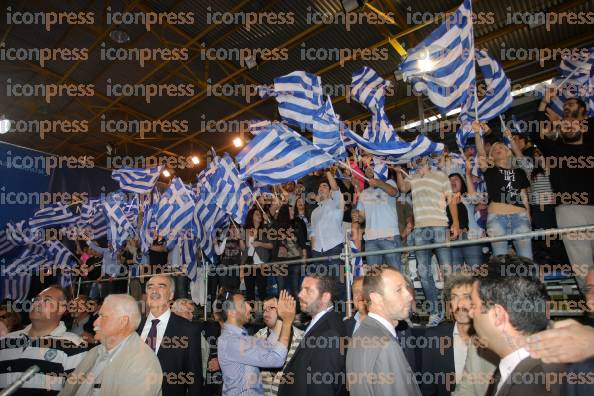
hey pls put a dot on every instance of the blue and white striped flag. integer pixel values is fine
(368, 88)
(55, 215)
(18, 234)
(397, 151)
(442, 65)
(5, 244)
(497, 98)
(137, 180)
(234, 195)
(326, 130)
(299, 96)
(182, 202)
(280, 155)
(57, 254)
(575, 74)
(148, 229)
(120, 229)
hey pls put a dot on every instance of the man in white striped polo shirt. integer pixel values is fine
(45, 343)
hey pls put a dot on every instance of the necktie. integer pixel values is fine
(151, 338)
(492, 389)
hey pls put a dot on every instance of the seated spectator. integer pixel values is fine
(45, 343)
(506, 310)
(241, 356)
(122, 364)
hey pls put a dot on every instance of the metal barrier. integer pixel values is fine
(347, 255)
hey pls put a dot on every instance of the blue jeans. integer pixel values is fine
(509, 224)
(393, 259)
(472, 255)
(424, 236)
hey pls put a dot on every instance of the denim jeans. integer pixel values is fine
(509, 224)
(424, 236)
(393, 259)
(471, 255)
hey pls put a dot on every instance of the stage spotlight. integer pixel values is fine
(237, 142)
(195, 160)
(426, 64)
(4, 125)
(166, 173)
(119, 36)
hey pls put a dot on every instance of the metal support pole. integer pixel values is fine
(78, 287)
(347, 273)
(206, 304)
(129, 279)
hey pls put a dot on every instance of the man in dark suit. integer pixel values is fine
(352, 324)
(447, 343)
(318, 365)
(506, 310)
(174, 340)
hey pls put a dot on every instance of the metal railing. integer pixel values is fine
(347, 255)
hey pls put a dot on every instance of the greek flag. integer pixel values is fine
(299, 96)
(92, 219)
(16, 287)
(280, 155)
(498, 96)
(120, 229)
(137, 180)
(326, 130)
(57, 254)
(356, 263)
(233, 195)
(397, 151)
(575, 74)
(55, 215)
(368, 88)
(442, 65)
(148, 228)
(18, 234)
(5, 245)
(174, 216)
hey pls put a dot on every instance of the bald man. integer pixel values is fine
(122, 364)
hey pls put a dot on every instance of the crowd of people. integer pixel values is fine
(488, 330)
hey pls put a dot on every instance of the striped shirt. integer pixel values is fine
(541, 190)
(271, 379)
(56, 354)
(429, 198)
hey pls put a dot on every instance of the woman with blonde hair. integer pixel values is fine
(507, 188)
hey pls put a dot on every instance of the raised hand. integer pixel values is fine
(286, 307)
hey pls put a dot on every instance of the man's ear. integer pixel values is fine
(500, 315)
(375, 298)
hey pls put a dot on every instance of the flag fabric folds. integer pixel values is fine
(55, 215)
(280, 155)
(442, 65)
(137, 180)
(497, 98)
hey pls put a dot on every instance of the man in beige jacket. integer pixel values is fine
(122, 364)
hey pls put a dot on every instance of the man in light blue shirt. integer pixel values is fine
(110, 267)
(240, 355)
(377, 208)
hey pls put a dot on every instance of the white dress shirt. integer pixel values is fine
(509, 363)
(460, 352)
(161, 326)
(317, 317)
(391, 328)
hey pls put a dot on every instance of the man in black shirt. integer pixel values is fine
(567, 146)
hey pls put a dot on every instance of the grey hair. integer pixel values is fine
(126, 305)
(169, 279)
(177, 303)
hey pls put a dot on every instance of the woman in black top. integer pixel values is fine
(507, 188)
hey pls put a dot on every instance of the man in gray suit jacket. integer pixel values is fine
(122, 365)
(375, 362)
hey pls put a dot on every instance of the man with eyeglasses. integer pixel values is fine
(271, 378)
(240, 355)
(45, 343)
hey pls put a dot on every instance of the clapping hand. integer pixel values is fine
(286, 307)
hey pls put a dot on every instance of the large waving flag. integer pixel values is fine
(137, 180)
(120, 229)
(174, 215)
(299, 96)
(148, 229)
(55, 215)
(57, 254)
(326, 130)
(5, 244)
(92, 219)
(575, 81)
(280, 155)
(397, 151)
(497, 98)
(368, 88)
(442, 65)
(233, 195)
